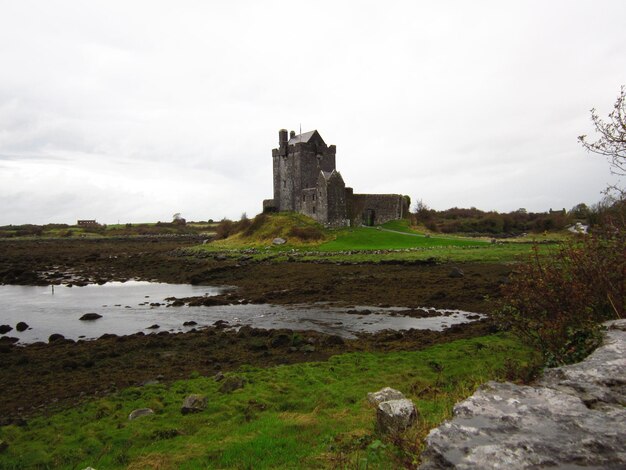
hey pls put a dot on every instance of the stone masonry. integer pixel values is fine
(306, 180)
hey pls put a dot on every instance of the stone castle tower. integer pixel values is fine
(307, 181)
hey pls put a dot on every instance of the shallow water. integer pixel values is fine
(125, 310)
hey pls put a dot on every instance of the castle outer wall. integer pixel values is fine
(306, 181)
(376, 209)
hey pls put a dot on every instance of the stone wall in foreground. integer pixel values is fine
(573, 418)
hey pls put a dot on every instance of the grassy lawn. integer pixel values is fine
(308, 415)
(370, 238)
(371, 244)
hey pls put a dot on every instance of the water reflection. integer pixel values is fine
(134, 306)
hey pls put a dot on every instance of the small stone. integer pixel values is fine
(190, 323)
(384, 394)
(218, 377)
(231, 384)
(395, 416)
(55, 337)
(139, 413)
(279, 241)
(21, 326)
(153, 327)
(90, 316)
(193, 404)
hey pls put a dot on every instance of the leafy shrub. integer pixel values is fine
(557, 302)
(306, 233)
(225, 229)
(256, 224)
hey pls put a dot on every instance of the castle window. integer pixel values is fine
(284, 183)
(304, 198)
(314, 197)
(314, 209)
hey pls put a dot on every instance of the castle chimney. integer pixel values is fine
(282, 137)
(292, 134)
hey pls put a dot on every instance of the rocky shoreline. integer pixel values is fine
(41, 377)
(574, 417)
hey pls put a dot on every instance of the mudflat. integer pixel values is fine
(41, 377)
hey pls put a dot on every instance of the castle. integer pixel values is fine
(307, 181)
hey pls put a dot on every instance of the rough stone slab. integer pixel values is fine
(394, 416)
(193, 403)
(573, 418)
(384, 394)
(139, 413)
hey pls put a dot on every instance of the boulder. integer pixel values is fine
(55, 337)
(280, 340)
(139, 413)
(279, 241)
(384, 394)
(21, 326)
(231, 384)
(395, 416)
(90, 316)
(5, 329)
(572, 418)
(190, 323)
(456, 272)
(153, 327)
(193, 404)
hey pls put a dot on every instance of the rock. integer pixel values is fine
(394, 416)
(193, 404)
(307, 348)
(139, 413)
(190, 323)
(334, 340)
(21, 326)
(456, 272)
(55, 337)
(153, 327)
(384, 394)
(90, 316)
(5, 329)
(279, 241)
(572, 418)
(218, 377)
(220, 324)
(279, 340)
(231, 384)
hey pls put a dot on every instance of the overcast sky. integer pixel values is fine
(132, 111)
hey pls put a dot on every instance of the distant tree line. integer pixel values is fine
(474, 221)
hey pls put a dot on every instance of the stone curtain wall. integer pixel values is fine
(386, 207)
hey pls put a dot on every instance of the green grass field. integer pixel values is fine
(308, 415)
(394, 241)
